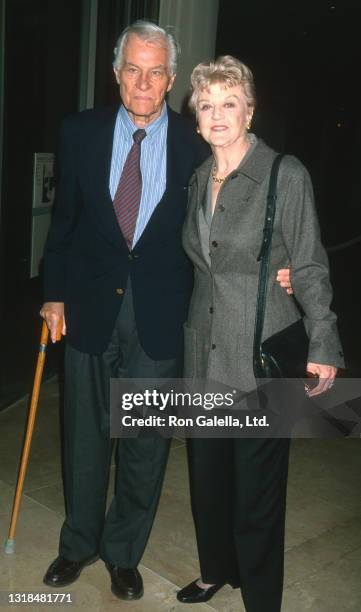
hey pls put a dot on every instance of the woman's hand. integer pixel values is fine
(284, 279)
(326, 375)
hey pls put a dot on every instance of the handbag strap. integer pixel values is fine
(264, 257)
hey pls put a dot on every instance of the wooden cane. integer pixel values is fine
(10, 543)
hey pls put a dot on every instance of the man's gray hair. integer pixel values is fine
(148, 31)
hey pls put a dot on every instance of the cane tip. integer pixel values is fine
(10, 546)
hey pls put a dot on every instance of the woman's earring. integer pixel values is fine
(198, 130)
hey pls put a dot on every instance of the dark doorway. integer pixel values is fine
(41, 86)
(305, 57)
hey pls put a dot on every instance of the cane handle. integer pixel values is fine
(44, 335)
(59, 329)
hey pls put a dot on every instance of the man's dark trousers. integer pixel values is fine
(120, 536)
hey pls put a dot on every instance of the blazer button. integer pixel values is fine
(130, 257)
(221, 208)
(211, 310)
(214, 243)
(213, 346)
(120, 291)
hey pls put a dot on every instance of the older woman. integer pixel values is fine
(238, 486)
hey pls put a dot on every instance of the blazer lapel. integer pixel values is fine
(241, 187)
(99, 168)
(202, 175)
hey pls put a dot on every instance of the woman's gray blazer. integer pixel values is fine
(220, 326)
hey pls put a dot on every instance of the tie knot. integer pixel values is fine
(139, 135)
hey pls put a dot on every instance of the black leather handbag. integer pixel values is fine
(284, 354)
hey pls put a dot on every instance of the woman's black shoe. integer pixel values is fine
(192, 593)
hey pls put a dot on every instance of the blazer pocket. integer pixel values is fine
(190, 351)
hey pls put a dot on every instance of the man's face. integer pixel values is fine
(144, 79)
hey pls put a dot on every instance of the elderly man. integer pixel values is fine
(116, 272)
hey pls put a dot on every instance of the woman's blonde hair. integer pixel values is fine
(226, 70)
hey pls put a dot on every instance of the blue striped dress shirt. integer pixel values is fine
(153, 162)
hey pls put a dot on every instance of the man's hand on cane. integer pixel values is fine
(52, 313)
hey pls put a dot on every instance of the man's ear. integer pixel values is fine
(171, 82)
(116, 75)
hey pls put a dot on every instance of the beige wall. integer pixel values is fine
(195, 27)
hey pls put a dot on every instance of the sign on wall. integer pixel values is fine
(43, 198)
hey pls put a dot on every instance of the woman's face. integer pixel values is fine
(223, 114)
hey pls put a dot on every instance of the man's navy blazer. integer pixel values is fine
(86, 259)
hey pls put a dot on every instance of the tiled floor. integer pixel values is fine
(323, 540)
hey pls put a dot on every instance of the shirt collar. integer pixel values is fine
(129, 126)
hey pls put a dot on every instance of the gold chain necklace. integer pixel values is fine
(215, 178)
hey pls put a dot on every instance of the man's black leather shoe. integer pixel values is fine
(62, 571)
(126, 583)
(192, 593)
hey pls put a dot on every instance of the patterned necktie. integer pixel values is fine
(127, 198)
